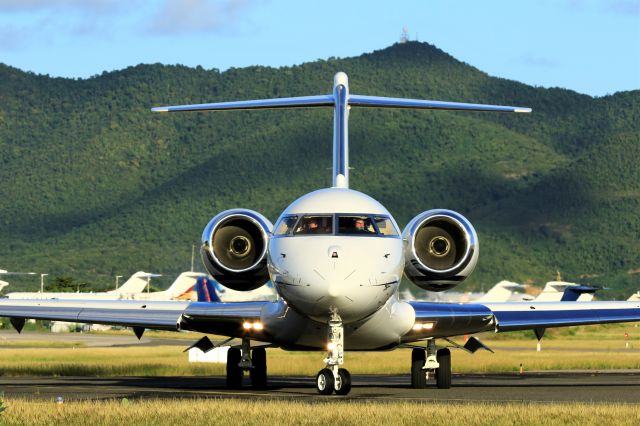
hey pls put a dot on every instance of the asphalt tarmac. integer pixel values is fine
(606, 387)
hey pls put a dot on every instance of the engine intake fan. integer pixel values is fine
(441, 249)
(234, 249)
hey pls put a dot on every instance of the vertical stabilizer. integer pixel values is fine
(135, 284)
(341, 131)
(183, 285)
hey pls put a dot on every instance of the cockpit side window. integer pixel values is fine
(385, 226)
(355, 225)
(286, 225)
(315, 225)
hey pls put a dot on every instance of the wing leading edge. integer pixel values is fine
(221, 318)
(447, 319)
(526, 316)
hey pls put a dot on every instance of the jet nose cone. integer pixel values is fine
(335, 289)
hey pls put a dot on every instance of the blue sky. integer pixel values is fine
(591, 46)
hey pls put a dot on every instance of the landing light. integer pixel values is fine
(427, 326)
(331, 346)
(257, 326)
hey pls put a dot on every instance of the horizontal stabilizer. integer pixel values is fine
(297, 102)
(329, 101)
(378, 101)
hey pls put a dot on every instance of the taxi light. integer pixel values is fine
(331, 346)
(427, 326)
(257, 326)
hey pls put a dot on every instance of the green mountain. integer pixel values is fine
(92, 184)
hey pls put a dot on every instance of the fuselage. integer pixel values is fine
(336, 249)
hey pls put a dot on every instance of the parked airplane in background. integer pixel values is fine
(266, 292)
(501, 292)
(129, 290)
(562, 291)
(336, 257)
(181, 289)
(3, 284)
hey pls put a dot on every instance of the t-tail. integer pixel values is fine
(206, 290)
(341, 101)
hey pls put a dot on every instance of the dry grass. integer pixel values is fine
(171, 361)
(592, 348)
(223, 412)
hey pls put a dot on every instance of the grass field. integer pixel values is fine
(592, 348)
(223, 412)
(562, 350)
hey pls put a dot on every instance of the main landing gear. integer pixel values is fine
(332, 378)
(433, 361)
(244, 359)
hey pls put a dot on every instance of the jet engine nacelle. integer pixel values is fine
(440, 249)
(234, 249)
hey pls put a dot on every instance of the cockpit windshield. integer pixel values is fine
(286, 225)
(317, 225)
(385, 226)
(355, 225)
(347, 224)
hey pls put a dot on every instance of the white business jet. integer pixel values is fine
(4, 284)
(336, 257)
(130, 290)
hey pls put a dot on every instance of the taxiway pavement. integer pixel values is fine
(621, 387)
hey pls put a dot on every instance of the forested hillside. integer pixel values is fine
(92, 184)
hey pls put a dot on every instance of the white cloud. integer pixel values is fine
(197, 16)
(44, 22)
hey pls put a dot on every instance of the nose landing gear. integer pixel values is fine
(332, 378)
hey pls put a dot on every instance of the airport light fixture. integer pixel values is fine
(42, 282)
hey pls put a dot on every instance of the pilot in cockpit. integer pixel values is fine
(313, 227)
(363, 227)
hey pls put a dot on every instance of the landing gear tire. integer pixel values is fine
(343, 384)
(418, 376)
(234, 372)
(443, 372)
(258, 373)
(325, 382)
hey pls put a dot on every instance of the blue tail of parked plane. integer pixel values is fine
(205, 288)
(571, 294)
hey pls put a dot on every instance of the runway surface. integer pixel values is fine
(540, 387)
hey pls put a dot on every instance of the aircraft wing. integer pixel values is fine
(451, 319)
(526, 316)
(219, 318)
